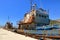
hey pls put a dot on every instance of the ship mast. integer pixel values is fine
(8, 19)
(31, 4)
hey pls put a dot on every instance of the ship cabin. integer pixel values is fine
(34, 18)
(41, 17)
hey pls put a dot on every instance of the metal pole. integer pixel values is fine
(31, 4)
(8, 18)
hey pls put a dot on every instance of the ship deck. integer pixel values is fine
(38, 36)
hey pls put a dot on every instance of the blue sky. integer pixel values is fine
(16, 9)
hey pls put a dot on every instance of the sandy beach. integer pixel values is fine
(8, 35)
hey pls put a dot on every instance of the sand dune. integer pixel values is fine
(8, 35)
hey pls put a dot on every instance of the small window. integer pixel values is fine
(42, 16)
(38, 24)
(36, 14)
(39, 15)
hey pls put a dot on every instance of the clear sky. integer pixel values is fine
(16, 9)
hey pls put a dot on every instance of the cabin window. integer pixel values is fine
(45, 17)
(38, 24)
(42, 16)
(39, 15)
